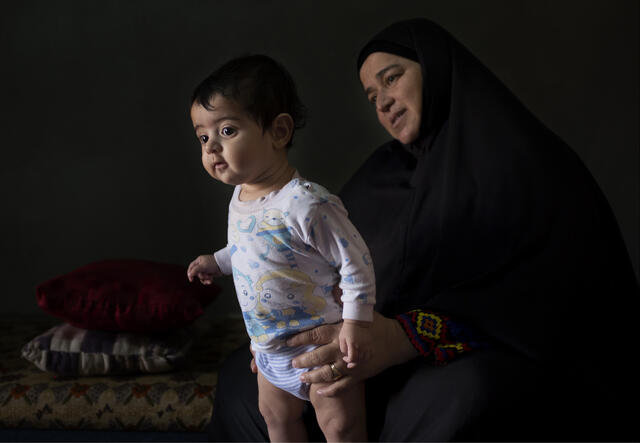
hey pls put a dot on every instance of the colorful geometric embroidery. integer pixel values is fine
(436, 337)
(428, 325)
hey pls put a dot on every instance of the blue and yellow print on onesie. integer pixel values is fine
(283, 284)
(266, 315)
(276, 235)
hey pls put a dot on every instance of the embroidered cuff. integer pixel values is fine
(436, 337)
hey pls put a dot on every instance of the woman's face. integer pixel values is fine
(393, 84)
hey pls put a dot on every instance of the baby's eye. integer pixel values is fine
(228, 131)
(204, 139)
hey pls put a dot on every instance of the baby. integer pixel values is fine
(289, 244)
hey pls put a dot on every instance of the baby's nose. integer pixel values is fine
(212, 147)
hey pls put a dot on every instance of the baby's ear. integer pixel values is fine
(282, 129)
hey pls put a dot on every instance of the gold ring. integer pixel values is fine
(337, 375)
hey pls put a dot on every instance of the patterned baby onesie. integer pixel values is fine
(286, 252)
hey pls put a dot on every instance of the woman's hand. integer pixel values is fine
(205, 268)
(390, 347)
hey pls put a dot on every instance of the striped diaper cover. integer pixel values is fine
(277, 369)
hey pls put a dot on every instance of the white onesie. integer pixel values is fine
(286, 252)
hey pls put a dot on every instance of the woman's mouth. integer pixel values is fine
(219, 166)
(397, 117)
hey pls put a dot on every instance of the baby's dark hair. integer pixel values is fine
(260, 85)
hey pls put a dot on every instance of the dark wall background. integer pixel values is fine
(98, 155)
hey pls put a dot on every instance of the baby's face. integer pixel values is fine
(235, 149)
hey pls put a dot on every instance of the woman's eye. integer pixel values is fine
(391, 78)
(228, 131)
(204, 139)
(372, 100)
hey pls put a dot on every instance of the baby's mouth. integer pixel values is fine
(219, 165)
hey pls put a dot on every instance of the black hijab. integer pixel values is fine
(492, 219)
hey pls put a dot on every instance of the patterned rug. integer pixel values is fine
(181, 400)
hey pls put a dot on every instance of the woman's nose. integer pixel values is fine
(384, 102)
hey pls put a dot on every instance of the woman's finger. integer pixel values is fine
(324, 373)
(321, 374)
(318, 357)
(316, 336)
(336, 388)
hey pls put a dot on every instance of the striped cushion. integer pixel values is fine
(67, 350)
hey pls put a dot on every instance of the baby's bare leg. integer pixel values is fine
(282, 412)
(341, 418)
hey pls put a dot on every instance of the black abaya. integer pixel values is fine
(497, 223)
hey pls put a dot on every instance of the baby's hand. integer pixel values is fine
(355, 341)
(205, 268)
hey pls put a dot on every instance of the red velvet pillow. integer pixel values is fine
(126, 295)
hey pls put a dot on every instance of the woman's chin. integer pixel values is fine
(406, 134)
(406, 138)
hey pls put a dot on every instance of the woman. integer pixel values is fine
(492, 243)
